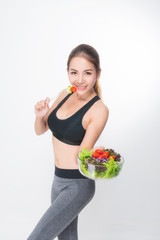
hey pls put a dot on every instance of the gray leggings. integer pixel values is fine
(69, 195)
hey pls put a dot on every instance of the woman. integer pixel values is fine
(76, 121)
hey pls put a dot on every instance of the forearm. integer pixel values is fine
(39, 126)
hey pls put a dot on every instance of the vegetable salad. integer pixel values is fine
(105, 164)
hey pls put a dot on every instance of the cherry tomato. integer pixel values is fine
(96, 155)
(73, 89)
(99, 151)
(102, 156)
(106, 153)
(112, 157)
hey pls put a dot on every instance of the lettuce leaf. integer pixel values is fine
(85, 153)
(84, 170)
(112, 169)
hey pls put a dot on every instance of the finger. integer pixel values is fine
(99, 147)
(39, 105)
(42, 104)
(47, 100)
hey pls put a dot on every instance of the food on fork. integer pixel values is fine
(71, 89)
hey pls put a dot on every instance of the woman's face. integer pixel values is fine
(82, 74)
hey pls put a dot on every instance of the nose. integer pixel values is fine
(80, 79)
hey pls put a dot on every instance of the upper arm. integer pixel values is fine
(95, 128)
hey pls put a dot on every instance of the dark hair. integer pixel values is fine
(92, 55)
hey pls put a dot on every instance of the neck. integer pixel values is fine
(85, 96)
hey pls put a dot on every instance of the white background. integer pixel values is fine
(36, 38)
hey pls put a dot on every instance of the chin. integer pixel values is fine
(82, 92)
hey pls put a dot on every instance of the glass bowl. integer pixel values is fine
(100, 171)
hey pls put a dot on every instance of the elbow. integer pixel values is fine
(39, 133)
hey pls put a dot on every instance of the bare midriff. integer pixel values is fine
(65, 155)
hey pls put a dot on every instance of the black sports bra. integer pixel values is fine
(69, 130)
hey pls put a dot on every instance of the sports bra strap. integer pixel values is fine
(63, 100)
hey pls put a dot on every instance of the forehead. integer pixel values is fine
(81, 63)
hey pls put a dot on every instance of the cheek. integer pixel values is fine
(71, 78)
(92, 79)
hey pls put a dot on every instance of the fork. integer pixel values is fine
(56, 95)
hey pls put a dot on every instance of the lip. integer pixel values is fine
(81, 87)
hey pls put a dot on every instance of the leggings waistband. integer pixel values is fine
(68, 173)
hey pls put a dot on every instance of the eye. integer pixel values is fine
(88, 73)
(73, 73)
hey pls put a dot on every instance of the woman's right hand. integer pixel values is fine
(41, 108)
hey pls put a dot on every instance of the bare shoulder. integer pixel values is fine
(62, 95)
(100, 109)
(103, 107)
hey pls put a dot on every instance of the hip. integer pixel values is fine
(73, 182)
(68, 173)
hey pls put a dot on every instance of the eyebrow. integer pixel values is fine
(84, 70)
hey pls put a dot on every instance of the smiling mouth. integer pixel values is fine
(81, 87)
